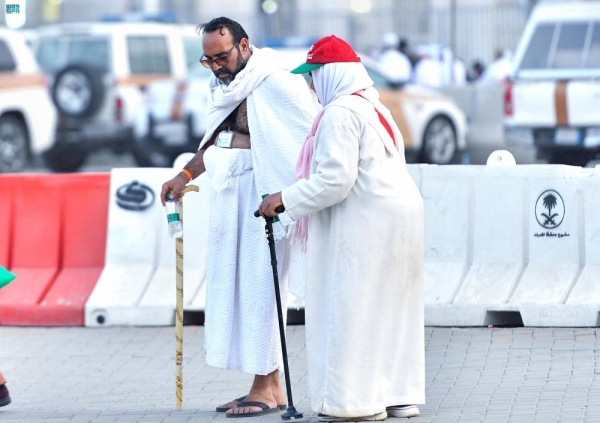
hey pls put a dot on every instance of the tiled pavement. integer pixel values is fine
(126, 375)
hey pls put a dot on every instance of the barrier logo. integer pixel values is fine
(550, 209)
(135, 196)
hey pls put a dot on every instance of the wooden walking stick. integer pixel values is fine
(179, 305)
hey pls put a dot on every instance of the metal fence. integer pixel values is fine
(474, 32)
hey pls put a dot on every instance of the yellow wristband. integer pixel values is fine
(187, 173)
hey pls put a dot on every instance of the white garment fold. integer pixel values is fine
(241, 327)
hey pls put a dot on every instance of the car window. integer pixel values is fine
(7, 61)
(54, 53)
(193, 51)
(593, 55)
(48, 54)
(570, 46)
(536, 56)
(148, 54)
(89, 51)
(378, 79)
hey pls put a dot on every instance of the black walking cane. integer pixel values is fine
(291, 410)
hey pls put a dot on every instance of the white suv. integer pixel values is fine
(553, 97)
(27, 116)
(99, 72)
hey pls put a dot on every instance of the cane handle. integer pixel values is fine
(190, 188)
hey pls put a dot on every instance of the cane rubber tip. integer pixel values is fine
(291, 412)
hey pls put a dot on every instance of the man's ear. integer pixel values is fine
(244, 45)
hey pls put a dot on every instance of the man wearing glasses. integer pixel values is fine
(259, 116)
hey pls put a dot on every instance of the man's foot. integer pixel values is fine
(4, 397)
(403, 411)
(251, 409)
(265, 396)
(250, 405)
(231, 404)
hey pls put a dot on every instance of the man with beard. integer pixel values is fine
(259, 115)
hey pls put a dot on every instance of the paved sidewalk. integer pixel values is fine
(126, 375)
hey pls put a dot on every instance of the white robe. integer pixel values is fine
(364, 294)
(241, 327)
(241, 320)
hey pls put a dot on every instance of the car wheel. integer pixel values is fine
(78, 91)
(439, 142)
(147, 154)
(14, 144)
(65, 158)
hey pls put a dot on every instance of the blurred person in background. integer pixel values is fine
(364, 290)
(395, 64)
(405, 49)
(4, 396)
(259, 116)
(499, 70)
(477, 69)
(454, 68)
(437, 67)
(429, 69)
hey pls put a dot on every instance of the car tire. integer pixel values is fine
(569, 157)
(14, 144)
(439, 142)
(78, 91)
(65, 158)
(148, 154)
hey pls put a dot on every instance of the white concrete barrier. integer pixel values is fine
(524, 239)
(503, 244)
(583, 302)
(446, 192)
(134, 226)
(137, 284)
(552, 234)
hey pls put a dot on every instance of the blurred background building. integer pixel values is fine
(473, 29)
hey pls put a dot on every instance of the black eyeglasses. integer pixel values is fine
(220, 60)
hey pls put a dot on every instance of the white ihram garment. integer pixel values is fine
(364, 294)
(241, 328)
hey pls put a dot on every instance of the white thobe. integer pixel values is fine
(364, 294)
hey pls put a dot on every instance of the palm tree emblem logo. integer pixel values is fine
(550, 209)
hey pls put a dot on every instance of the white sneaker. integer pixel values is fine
(403, 411)
(375, 417)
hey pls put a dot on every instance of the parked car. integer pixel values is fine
(27, 115)
(434, 128)
(553, 97)
(172, 119)
(98, 72)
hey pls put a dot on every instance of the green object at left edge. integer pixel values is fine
(6, 277)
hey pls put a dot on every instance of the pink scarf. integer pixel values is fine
(303, 172)
(305, 160)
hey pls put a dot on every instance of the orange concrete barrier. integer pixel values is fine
(56, 231)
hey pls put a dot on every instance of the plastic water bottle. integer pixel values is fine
(173, 218)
